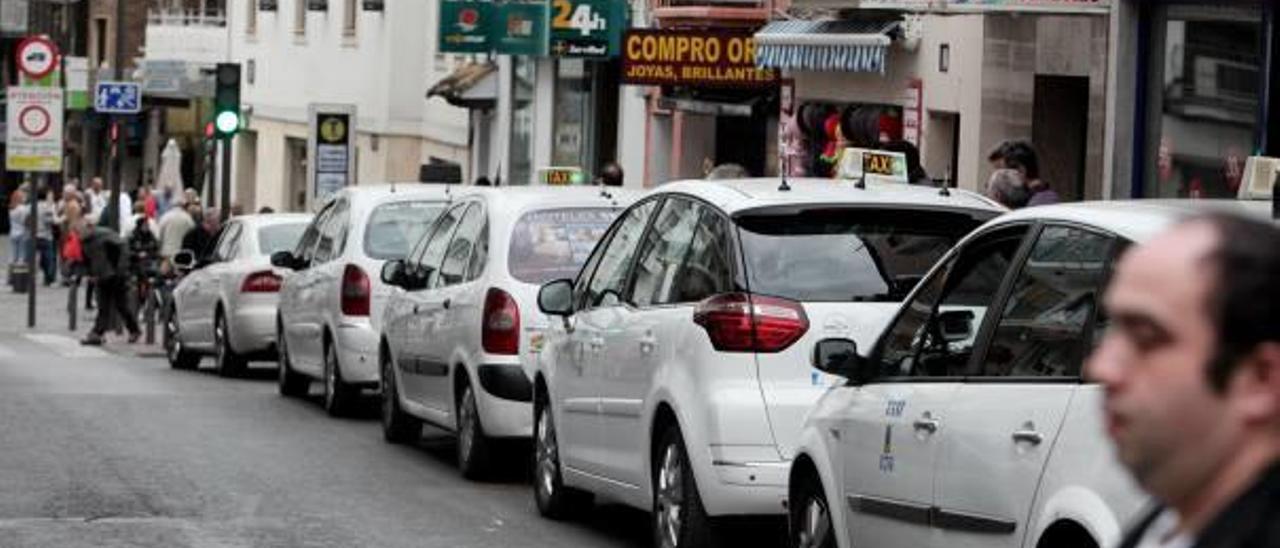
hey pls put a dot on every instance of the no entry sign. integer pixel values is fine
(34, 130)
(37, 57)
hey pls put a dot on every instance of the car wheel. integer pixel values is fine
(339, 397)
(291, 383)
(679, 520)
(397, 426)
(229, 363)
(179, 356)
(555, 501)
(473, 447)
(811, 516)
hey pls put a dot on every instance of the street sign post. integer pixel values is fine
(33, 127)
(331, 143)
(117, 98)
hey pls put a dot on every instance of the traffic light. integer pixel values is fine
(226, 100)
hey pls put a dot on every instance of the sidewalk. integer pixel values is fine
(52, 317)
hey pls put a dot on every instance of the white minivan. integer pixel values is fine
(675, 377)
(969, 424)
(331, 305)
(464, 312)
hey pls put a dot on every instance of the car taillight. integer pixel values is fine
(738, 322)
(355, 291)
(500, 329)
(261, 282)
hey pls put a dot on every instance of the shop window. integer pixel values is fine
(524, 72)
(1204, 99)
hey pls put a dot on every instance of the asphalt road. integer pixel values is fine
(111, 448)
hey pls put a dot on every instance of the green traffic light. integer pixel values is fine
(227, 122)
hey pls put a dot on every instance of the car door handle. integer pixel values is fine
(647, 344)
(447, 303)
(927, 423)
(1028, 436)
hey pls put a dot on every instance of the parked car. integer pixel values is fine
(969, 422)
(225, 305)
(676, 377)
(329, 322)
(454, 337)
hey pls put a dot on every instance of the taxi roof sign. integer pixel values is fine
(1260, 174)
(875, 165)
(561, 176)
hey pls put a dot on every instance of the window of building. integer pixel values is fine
(524, 78)
(349, 11)
(251, 16)
(1204, 102)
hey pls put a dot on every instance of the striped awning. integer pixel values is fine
(831, 45)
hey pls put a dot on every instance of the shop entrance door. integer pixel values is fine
(1060, 123)
(742, 140)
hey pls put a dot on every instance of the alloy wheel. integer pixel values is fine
(389, 394)
(814, 524)
(547, 454)
(466, 423)
(670, 496)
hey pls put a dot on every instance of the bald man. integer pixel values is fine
(1191, 370)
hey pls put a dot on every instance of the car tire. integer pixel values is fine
(397, 426)
(179, 357)
(810, 516)
(339, 397)
(291, 383)
(473, 447)
(555, 500)
(229, 363)
(679, 520)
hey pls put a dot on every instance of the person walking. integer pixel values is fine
(1190, 368)
(1009, 188)
(107, 258)
(172, 229)
(46, 212)
(18, 230)
(200, 240)
(68, 215)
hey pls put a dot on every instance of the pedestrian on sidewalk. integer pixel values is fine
(1190, 367)
(68, 215)
(200, 240)
(1009, 188)
(18, 214)
(172, 229)
(107, 259)
(45, 250)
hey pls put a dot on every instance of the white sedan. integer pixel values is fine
(969, 422)
(226, 305)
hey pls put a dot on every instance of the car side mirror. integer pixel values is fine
(184, 260)
(956, 325)
(556, 298)
(840, 357)
(284, 259)
(393, 273)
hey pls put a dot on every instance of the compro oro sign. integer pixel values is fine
(33, 130)
(875, 165)
(331, 142)
(696, 57)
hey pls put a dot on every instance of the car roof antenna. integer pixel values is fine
(946, 183)
(862, 181)
(786, 167)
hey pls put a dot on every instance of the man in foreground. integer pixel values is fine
(107, 259)
(1191, 368)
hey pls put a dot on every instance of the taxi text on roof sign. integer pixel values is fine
(876, 165)
(721, 58)
(561, 176)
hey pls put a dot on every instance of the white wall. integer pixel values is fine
(196, 44)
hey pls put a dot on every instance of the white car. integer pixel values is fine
(677, 376)
(331, 306)
(969, 423)
(226, 305)
(454, 337)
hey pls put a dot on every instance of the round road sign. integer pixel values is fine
(37, 57)
(35, 120)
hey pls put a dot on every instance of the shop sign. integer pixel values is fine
(696, 57)
(331, 142)
(464, 26)
(561, 176)
(992, 5)
(587, 28)
(520, 29)
(875, 165)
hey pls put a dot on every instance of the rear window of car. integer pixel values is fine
(551, 244)
(280, 237)
(394, 228)
(846, 255)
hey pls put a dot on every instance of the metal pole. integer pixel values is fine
(117, 158)
(33, 224)
(225, 201)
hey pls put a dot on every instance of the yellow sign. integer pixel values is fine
(693, 57)
(333, 130)
(874, 165)
(561, 176)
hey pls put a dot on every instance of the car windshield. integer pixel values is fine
(553, 243)
(394, 228)
(280, 237)
(846, 255)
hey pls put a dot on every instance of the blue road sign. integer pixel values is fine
(117, 98)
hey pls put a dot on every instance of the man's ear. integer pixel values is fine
(1256, 385)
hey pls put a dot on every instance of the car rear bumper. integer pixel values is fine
(501, 416)
(253, 328)
(746, 488)
(357, 347)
